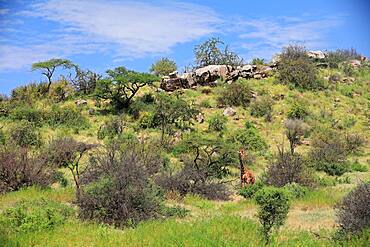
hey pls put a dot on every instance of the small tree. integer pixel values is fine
(295, 130)
(85, 81)
(273, 209)
(296, 69)
(48, 67)
(66, 152)
(121, 85)
(217, 123)
(163, 66)
(173, 113)
(214, 51)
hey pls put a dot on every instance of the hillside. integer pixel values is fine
(171, 130)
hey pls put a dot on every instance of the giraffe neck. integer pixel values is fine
(242, 169)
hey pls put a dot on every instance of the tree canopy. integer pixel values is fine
(121, 85)
(48, 67)
(163, 66)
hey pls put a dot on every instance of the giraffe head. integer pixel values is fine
(241, 152)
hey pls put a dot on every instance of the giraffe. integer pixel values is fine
(246, 176)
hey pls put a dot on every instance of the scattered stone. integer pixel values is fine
(229, 112)
(355, 63)
(80, 102)
(200, 118)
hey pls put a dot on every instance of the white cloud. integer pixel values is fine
(137, 28)
(266, 37)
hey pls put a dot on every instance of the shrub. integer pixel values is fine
(2, 137)
(66, 152)
(251, 190)
(33, 216)
(18, 169)
(30, 114)
(296, 190)
(334, 58)
(112, 128)
(258, 61)
(354, 142)
(295, 130)
(206, 104)
(358, 167)
(214, 51)
(61, 90)
(217, 123)
(163, 66)
(118, 186)
(297, 111)
(329, 152)
(25, 134)
(249, 138)
(296, 69)
(69, 117)
(85, 81)
(29, 93)
(353, 212)
(288, 168)
(205, 161)
(235, 94)
(148, 120)
(262, 107)
(273, 206)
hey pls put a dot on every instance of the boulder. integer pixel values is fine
(316, 54)
(200, 118)
(80, 102)
(171, 84)
(209, 74)
(229, 112)
(355, 63)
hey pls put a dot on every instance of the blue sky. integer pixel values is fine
(100, 35)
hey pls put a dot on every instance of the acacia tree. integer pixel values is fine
(295, 130)
(214, 51)
(66, 152)
(48, 67)
(121, 85)
(163, 66)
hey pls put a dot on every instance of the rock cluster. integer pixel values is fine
(208, 76)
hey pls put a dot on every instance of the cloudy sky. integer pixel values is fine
(102, 34)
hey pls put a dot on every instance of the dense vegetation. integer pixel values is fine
(111, 160)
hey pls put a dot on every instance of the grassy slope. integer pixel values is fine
(213, 223)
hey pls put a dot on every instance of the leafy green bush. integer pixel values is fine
(148, 120)
(249, 138)
(296, 190)
(2, 137)
(111, 128)
(262, 107)
(30, 114)
(206, 104)
(251, 190)
(217, 122)
(24, 134)
(273, 207)
(258, 61)
(69, 117)
(296, 69)
(33, 216)
(235, 94)
(358, 167)
(29, 93)
(297, 111)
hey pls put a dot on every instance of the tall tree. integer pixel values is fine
(48, 67)
(121, 85)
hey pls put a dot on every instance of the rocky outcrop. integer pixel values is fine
(209, 74)
(317, 55)
(229, 112)
(81, 102)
